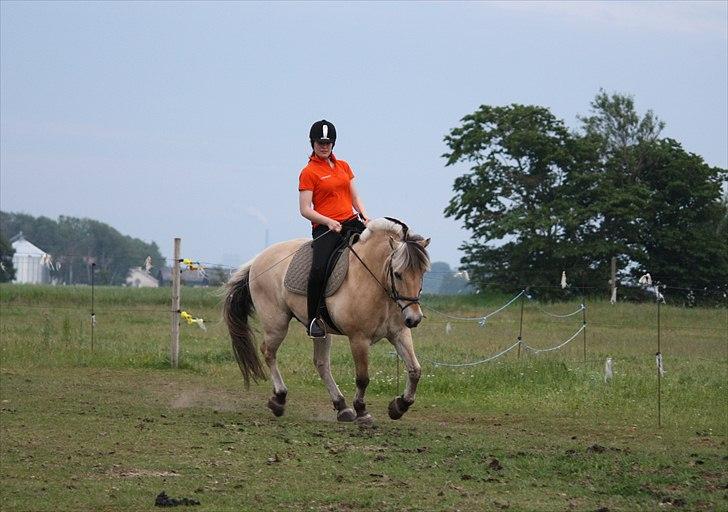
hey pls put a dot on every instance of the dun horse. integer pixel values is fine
(379, 298)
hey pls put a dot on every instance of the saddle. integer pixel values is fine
(296, 280)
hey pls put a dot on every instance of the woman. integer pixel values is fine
(327, 197)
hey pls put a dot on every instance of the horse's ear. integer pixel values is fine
(425, 243)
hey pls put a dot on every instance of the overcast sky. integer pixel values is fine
(191, 119)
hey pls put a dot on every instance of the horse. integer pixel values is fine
(379, 298)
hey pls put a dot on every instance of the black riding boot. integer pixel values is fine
(324, 244)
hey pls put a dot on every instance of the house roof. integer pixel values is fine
(24, 248)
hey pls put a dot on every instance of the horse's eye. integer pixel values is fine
(398, 275)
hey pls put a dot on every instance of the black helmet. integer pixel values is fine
(322, 131)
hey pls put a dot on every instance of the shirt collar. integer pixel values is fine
(314, 158)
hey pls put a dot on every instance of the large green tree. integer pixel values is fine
(515, 195)
(658, 208)
(619, 198)
(682, 240)
(540, 199)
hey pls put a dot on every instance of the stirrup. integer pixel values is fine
(316, 330)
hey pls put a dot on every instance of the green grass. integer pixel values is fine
(109, 428)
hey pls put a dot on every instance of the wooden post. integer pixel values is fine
(583, 321)
(93, 311)
(658, 356)
(613, 296)
(520, 327)
(174, 349)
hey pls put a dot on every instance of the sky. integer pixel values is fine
(190, 120)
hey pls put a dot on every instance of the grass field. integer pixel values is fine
(110, 428)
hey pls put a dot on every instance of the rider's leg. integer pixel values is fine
(324, 244)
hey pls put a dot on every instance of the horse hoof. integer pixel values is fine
(365, 420)
(276, 407)
(394, 411)
(398, 407)
(346, 415)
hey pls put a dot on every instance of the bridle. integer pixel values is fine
(396, 296)
(393, 293)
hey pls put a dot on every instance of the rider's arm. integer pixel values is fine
(305, 198)
(357, 202)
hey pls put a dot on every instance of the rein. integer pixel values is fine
(393, 293)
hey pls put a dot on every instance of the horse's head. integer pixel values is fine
(405, 267)
(408, 264)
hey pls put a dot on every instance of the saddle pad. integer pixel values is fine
(296, 280)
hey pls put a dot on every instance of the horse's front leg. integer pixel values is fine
(360, 351)
(402, 342)
(322, 361)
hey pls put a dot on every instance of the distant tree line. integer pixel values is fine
(75, 244)
(540, 199)
(442, 280)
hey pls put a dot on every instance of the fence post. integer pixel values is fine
(174, 349)
(520, 327)
(658, 356)
(613, 297)
(93, 301)
(583, 321)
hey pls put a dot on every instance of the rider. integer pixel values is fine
(327, 197)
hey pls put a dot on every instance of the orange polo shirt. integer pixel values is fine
(331, 187)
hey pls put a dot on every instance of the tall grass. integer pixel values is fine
(51, 326)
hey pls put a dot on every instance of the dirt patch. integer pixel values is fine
(205, 398)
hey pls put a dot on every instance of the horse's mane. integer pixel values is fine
(382, 225)
(410, 254)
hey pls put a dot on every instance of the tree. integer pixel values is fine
(515, 196)
(682, 239)
(658, 207)
(615, 209)
(540, 199)
(7, 271)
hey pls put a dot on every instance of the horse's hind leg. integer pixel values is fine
(274, 333)
(322, 361)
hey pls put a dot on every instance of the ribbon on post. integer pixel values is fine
(660, 367)
(192, 320)
(608, 374)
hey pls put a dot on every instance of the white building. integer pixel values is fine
(140, 278)
(32, 265)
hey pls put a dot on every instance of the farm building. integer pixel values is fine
(32, 265)
(140, 278)
(193, 278)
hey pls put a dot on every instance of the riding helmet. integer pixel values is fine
(322, 131)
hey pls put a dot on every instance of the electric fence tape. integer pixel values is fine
(480, 319)
(539, 350)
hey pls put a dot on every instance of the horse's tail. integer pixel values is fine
(238, 307)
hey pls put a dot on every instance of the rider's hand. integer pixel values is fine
(334, 225)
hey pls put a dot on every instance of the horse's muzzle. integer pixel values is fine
(412, 321)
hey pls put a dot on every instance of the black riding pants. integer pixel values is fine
(324, 246)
